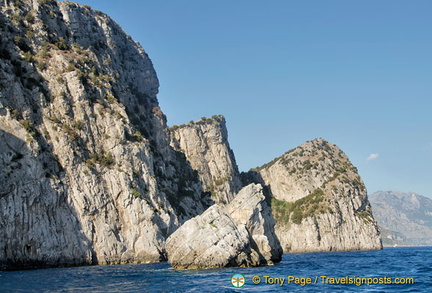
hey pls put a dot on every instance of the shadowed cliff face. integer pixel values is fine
(205, 145)
(36, 228)
(319, 200)
(85, 154)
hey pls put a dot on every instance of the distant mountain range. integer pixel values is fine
(405, 218)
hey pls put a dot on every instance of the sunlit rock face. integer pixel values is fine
(318, 200)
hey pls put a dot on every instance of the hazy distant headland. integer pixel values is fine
(404, 218)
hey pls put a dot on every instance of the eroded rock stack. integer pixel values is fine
(239, 234)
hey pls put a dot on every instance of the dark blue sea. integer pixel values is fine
(365, 271)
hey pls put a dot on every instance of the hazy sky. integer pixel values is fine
(357, 73)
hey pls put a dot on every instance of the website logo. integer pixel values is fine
(238, 280)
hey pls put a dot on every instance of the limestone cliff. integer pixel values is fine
(319, 200)
(87, 172)
(205, 144)
(90, 173)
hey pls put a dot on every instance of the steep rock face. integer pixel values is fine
(88, 175)
(319, 200)
(205, 144)
(405, 218)
(239, 234)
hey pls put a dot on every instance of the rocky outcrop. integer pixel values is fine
(205, 145)
(88, 175)
(405, 218)
(319, 200)
(241, 234)
(250, 208)
(212, 239)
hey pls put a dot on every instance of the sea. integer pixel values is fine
(396, 269)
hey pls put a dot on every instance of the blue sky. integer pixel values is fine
(357, 73)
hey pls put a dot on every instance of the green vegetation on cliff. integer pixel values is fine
(305, 207)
